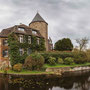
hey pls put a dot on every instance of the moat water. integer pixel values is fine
(69, 81)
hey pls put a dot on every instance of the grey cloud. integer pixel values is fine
(66, 18)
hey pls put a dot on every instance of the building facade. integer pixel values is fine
(38, 27)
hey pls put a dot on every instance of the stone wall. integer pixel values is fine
(43, 28)
(60, 70)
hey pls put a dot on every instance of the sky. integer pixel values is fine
(65, 18)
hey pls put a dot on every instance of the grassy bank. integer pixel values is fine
(25, 72)
(58, 65)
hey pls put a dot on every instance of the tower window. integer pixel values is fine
(34, 32)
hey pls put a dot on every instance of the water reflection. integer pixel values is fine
(69, 81)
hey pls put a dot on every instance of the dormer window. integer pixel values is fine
(21, 29)
(34, 32)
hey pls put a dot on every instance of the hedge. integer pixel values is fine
(56, 55)
(79, 57)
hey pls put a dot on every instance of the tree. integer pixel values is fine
(64, 44)
(82, 43)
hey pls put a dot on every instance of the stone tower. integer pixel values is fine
(40, 24)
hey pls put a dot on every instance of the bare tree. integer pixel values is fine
(82, 43)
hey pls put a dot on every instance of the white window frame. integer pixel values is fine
(21, 51)
(6, 53)
(29, 39)
(5, 42)
(21, 39)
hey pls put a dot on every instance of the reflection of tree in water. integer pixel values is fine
(47, 83)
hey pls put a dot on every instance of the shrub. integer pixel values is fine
(60, 61)
(34, 62)
(69, 61)
(56, 55)
(52, 60)
(88, 55)
(80, 57)
(17, 67)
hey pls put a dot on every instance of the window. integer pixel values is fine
(5, 42)
(29, 39)
(37, 40)
(5, 53)
(34, 32)
(21, 29)
(29, 51)
(21, 51)
(21, 38)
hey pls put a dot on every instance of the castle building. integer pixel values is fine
(41, 25)
(38, 27)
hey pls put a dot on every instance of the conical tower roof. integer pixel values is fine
(38, 18)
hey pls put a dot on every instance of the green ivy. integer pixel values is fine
(14, 46)
(13, 49)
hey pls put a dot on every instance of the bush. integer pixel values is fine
(52, 60)
(17, 67)
(56, 55)
(68, 61)
(60, 61)
(80, 57)
(88, 55)
(34, 62)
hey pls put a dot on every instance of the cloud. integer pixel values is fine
(66, 18)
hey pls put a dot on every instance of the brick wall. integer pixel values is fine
(2, 47)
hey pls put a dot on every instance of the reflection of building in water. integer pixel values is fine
(6, 83)
(79, 82)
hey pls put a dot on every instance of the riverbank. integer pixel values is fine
(25, 72)
(51, 70)
(62, 65)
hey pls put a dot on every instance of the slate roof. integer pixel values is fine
(38, 18)
(27, 31)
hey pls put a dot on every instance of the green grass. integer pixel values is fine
(58, 65)
(25, 72)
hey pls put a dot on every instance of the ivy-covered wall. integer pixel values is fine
(15, 45)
